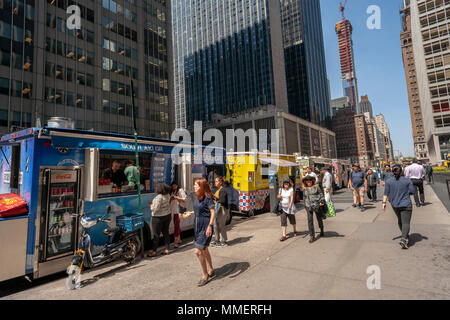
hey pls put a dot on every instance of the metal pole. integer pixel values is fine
(137, 163)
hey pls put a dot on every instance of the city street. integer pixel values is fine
(256, 265)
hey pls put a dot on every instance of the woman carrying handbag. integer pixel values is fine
(314, 203)
(286, 204)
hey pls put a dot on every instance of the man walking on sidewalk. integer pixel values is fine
(222, 212)
(327, 184)
(416, 173)
(398, 191)
(372, 182)
(358, 184)
(429, 172)
(386, 175)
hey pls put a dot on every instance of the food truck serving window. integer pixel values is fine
(118, 173)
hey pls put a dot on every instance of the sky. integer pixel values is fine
(379, 65)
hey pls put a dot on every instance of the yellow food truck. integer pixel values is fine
(248, 173)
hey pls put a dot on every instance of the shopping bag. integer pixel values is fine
(331, 210)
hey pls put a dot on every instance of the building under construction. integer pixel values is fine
(344, 32)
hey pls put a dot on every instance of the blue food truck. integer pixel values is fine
(61, 173)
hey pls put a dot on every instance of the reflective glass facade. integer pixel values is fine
(306, 75)
(224, 57)
(17, 63)
(85, 74)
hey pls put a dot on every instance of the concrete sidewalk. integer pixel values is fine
(257, 265)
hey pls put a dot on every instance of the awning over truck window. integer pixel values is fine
(75, 139)
(86, 141)
(278, 162)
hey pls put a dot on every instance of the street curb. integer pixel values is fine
(437, 197)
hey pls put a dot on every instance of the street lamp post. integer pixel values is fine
(137, 162)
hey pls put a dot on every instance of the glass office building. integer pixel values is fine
(228, 57)
(49, 69)
(306, 75)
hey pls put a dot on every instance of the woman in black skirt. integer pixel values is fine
(203, 226)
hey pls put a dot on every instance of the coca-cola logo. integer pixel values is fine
(63, 176)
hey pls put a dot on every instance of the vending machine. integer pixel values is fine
(59, 216)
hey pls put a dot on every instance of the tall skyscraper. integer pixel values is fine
(306, 74)
(228, 57)
(384, 129)
(47, 68)
(344, 31)
(430, 24)
(366, 106)
(420, 145)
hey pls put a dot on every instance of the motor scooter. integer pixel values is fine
(121, 244)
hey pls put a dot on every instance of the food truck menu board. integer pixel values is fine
(161, 170)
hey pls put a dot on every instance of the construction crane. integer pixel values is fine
(349, 72)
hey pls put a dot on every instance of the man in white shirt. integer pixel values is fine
(416, 173)
(327, 184)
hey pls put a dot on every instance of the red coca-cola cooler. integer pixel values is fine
(11, 205)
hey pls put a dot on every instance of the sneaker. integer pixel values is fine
(362, 208)
(403, 243)
(312, 239)
(214, 244)
(222, 245)
(354, 205)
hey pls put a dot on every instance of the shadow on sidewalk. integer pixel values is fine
(333, 234)
(108, 274)
(426, 204)
(239, 240)
(231, 270)
(413, 239)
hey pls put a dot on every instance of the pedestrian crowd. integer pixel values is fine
(400, 183)
(215, 198)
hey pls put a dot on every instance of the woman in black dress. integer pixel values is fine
(203, 226)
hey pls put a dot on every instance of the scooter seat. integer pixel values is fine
(109, 231)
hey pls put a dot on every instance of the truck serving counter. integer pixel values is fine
(61, 173)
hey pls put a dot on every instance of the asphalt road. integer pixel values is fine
(256, 265)
(440, 188)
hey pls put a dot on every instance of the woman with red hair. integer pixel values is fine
(204, 222)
